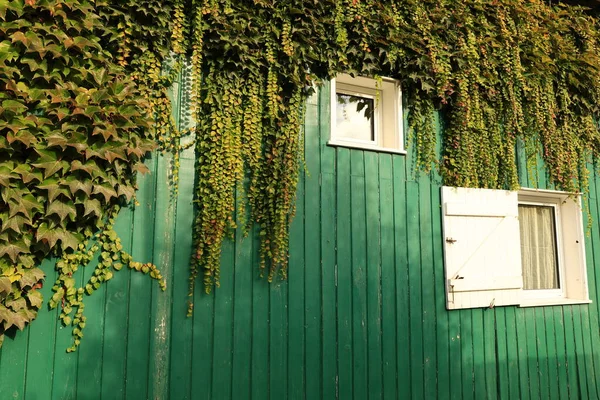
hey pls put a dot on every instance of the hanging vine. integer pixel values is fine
(84, 97)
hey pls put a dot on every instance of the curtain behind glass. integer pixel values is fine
(538, 247)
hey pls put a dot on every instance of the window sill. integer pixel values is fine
(365, 147)
(552, 302)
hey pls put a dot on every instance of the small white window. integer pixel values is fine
(505, 247)
(366, 113)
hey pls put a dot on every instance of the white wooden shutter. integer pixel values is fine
(482, 252)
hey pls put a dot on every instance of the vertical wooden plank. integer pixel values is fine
(489, 349)
(115, 311)
(40, 353)
(222, 339)
(242, 319)
(427, 289)
(359, 276)
(479, 361)
(580, 355)
(373, 275)
(575, 391)
(344, 276)
(181, 325)
(542, 352)
(138, 330)
(296, 345)
(498, 324)
(522, 341)
(415, 295)
(260, 329)
(455, 345)
(467, 350)
(512, 354)
(532, 351)
(180, 371)
(328, 251)
(553, 389)
(312, 255)
(13, 365)
(402, 283)
(388, 278)
(89, 353)
(278, 372)
(561, 354)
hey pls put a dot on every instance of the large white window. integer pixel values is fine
(506, 247)
(366, 113)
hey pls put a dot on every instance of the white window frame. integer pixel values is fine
(570, 249)
(529, 294)
(388, 123)
(481, 279)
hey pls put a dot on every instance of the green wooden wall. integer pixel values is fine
(361, 316)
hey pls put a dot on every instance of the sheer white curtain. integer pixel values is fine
(538, 247)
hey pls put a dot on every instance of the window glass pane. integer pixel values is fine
(538, 247)
(354, 117)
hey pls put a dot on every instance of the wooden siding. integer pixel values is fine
(362, 315)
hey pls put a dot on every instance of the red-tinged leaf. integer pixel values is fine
(58, 140)
(26, 205)
(19, 37)
(141, 168)
(106, 190)
(5, 317)
(62, 209)
(15, 223)
(31, 277)
(23, 136)
(51, 167)
(28, 174)
(78, 141)
(6, 175)
(23, 317)
(17, 304)
(13, 106)
(126, 191)
(92, 206)
(88, 167)
(5, 285)
(13, 249)
(53, 188)
(35, 298)
(76, 185)
(47, 235)
(111, 155)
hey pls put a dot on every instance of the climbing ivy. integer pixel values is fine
(84, 97)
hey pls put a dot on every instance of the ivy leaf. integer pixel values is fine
(6, 175)
(88, 167)
(75, 185)
(5, 285)
(13, 249)
(27, 173)
(106, 190)
(50, 162)
(23, 136)
(127, 191)
(6, 316)
(35, 298)
(53, 188)
(31, 276)
(62, 209)
(92, 206)
(17, 304)
(25, 205)
(13, 106)
(15, 223)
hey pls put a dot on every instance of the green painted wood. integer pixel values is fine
(312, 260)
(344, 278)
(373, 276)
(362, 315)
(388, 279)
(328, 252)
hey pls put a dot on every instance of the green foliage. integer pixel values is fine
(74, 129)
(84, 98)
